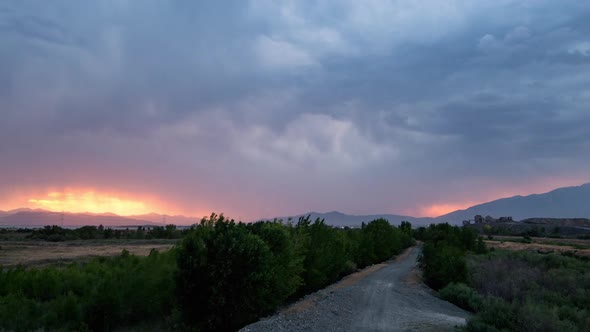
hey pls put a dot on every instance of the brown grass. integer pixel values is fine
(40, 253)
(542, 245)
(546, 240)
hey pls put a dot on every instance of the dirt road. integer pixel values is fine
(387, 297)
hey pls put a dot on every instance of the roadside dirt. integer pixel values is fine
(310, 300)
(383, 297)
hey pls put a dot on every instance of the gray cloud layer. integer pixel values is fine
(268, 108)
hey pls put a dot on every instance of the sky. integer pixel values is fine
(273, 108)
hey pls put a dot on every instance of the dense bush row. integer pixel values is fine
(520, 230)
(507, 291)
(58, 234)
(232, 273)
(524, 291)
(221, 276)
(97, 296)
(443, 255)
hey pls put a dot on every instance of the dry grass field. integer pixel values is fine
(41, 253)
(577, 247)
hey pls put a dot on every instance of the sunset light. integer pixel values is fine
(441, 209)
(200, 164)
(90, 201)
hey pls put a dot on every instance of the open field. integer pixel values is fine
(577, 247)
(42, 253)
(581, 243)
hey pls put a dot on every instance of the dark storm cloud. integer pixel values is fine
(213, 102)
(179, 57)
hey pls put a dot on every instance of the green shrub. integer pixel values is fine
(382, 241)
(226, 276)
(229, 273)
(349, 267)
(286, 260)
(99, 295)
(541, 317)
(324, 249)
(497, 313)
(443, 264)
(480, 247)
(223, 275)
(526, 291)
(443, 254)
(462, 296)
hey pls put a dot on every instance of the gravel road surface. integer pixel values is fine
(384, 297)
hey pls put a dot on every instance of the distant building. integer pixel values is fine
(478, 219)
(505, 219)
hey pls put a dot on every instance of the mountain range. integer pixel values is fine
(567, 202)
(340, 219)
(39, 218)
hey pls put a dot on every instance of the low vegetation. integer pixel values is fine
(556, 231)
(579, 244)
(58, 234)
(525, 291)
(221, 276)
(98, 295)
(443, 258)
(507, 291)
(232, 273)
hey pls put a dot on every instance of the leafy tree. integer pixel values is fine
(87, 232)
(406, 227)
(324, 250)
(223, 277)
(381, 240)
(286, 260)
(101, 294)
(444, 251)
(443, 264)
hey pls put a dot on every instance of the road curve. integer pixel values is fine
(385, 297)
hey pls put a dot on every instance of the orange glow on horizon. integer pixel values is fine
(94, 200)
(442, 209)
(494, 193)
(89, 201)
(77, 200)
(125, 202)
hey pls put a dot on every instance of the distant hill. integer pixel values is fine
(336, 218)
(24, 210)
(567, 202)
(166, 219)
(38, 218)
